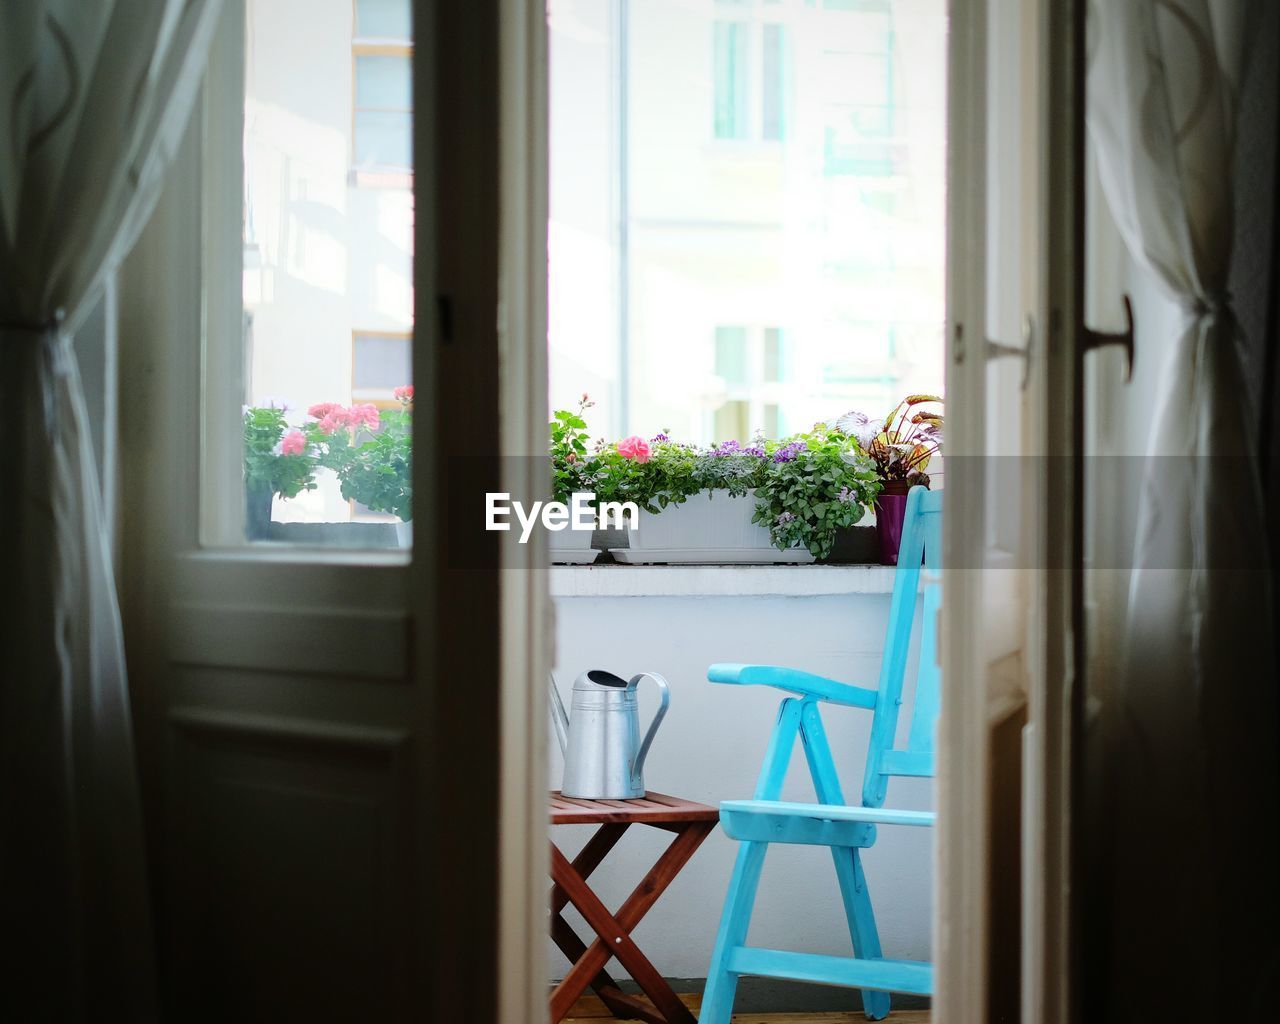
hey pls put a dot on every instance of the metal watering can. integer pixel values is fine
(603, 754)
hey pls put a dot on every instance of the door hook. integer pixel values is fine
(1001, 350)
(1100, 339)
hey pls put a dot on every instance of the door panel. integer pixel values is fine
(272, 818)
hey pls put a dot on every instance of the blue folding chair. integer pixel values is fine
(846, 829)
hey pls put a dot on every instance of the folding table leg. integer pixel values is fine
(617, 1001)
(588, 859)
(614, 932)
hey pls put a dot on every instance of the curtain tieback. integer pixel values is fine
(1210, 304)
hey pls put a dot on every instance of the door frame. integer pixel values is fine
(1051, 665)
(484, 296)
(960, 901)
(526, 608)
(1055, 686)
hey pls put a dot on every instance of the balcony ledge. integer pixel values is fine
(719, 580)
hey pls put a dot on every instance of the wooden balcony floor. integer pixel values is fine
(589, 1010)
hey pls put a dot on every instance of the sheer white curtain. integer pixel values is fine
(93, 99)
(1191, 724)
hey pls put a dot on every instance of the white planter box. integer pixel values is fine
(571, 547)
(710, 528)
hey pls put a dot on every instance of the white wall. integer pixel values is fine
(710, 748)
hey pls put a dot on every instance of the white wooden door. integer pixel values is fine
(1010, 533)
(319, 731)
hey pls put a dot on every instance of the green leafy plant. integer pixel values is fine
(375, 464)
(568, 450)
(814, 485)
(659, 472)
(276, 458)
(806, 487)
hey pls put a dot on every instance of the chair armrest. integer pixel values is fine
(793, 681)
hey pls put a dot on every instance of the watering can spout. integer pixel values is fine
(559, 719)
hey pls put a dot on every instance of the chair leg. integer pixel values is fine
(722, 985)
(848, 862)
(862, 923)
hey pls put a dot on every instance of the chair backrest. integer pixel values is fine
(921, 541)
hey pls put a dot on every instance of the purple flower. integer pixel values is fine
(755, 450)
(847, 496)
(787, 453)
(661, 437)
(785, 518)
(725, 448)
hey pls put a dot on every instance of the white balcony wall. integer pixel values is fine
(710, 747)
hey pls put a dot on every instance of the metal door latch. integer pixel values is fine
(1100, 339)
(1003, 350)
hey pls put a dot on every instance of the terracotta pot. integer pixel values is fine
(891, 507)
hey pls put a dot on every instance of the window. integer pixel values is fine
(773, 82)
(328, 268)
(380, 363)
(747, 211)
(382, 108)
(749, 363)
(743, 84)
(859, 105)
(731, 79)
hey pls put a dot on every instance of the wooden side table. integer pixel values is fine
(691, 823)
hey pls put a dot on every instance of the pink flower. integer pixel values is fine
(634, 447)
(294, 442)
(404, 393)
(366, 415)
(322, 410)
(332, 422)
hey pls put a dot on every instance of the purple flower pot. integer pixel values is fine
(890, 511)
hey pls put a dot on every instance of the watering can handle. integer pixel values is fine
(657, 718)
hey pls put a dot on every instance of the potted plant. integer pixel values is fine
(276, 461)
(371, 451)
(696, 504)
(815, 485)
(901, 446)
(770, 501)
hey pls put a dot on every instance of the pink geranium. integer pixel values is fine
(404, 393)
(634, 447)
(323, 409)
(294, 442)
(332, 422)
(363, 415)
